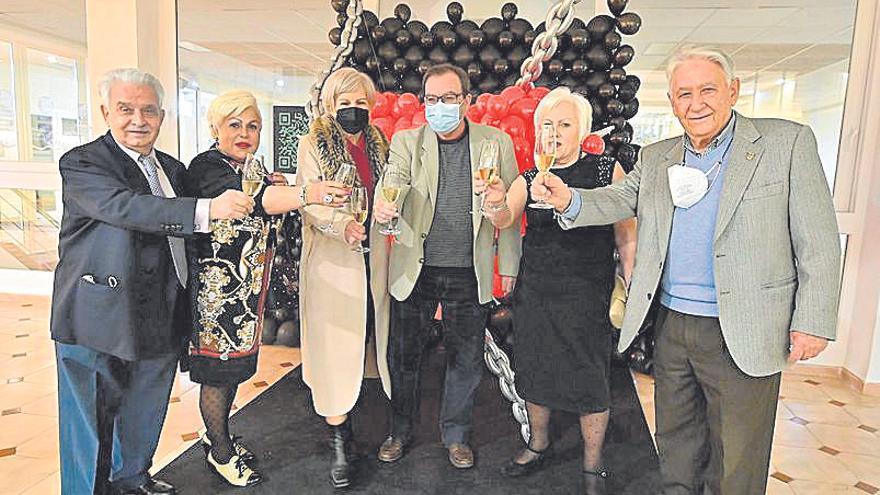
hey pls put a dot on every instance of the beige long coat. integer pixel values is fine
(333, 290)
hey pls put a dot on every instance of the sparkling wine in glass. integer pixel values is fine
(252, 174)
(347, 175)
(359, 205)
(487, 168)
(545, 156)
(391, 184)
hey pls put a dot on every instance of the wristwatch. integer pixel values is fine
(303, 195)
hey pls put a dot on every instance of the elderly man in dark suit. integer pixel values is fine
(118, 303)
(738, 244)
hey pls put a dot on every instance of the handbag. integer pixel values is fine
(617, 308)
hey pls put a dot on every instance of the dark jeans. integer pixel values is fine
(464, 320)
(110, 414)
(714, 422)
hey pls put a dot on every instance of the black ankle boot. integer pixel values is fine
(340, 454)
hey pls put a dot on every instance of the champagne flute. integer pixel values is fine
(347, 175)
(487, 167)
(359, 205)
(545, 156)
(391, 184)
(252, 174)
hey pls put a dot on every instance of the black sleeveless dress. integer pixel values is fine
(562, 336)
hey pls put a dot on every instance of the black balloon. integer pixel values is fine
(569, 56)
(576, 23)
(629, 23)
(634, 81)
(448, 39)
(598, 110)
(392, 25)
(412, 83)
(540, 28)
(438, 55)
(563, 42)
(488, 56)
(403, 38)
(623, 55)
(579, 67)
(598, 57)
(519, 28)
(606, 91)
(568, 81)
(399, 66)
(424, 65)
(626, 92)
(476, 38)
(529, 38)
(463, 56)
(617, 75)
(580, 38)
(414, 55)
(506, 39)
(403, 12)
(517, 55)
(546, 80)
(599, 26)
(627, 155)
(614, 107)
(441, 26)
(555, 67)
(454, 11)
(492, 27)
(617, 6)
(488, 85)
(378, 34)
(372, 64)
(474, 71)
(618, 138)
(388, 52)
(389, 82)
(288, 334)
(464, 28)
(426, 39)
(631, 108)
(339, 5)
(612, 40)
(417, 28)
(595, 79)
(511, 79)
(501, 66)
(509, 11)
(582, 90)
(369, 20)
(270, 328)
(335, 36)
(341, 18)
(618, 122)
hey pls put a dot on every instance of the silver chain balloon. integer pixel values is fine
(559, 19)
(499, 365)
(354, 11)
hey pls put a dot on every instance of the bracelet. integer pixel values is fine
(501, 206)
(303, 195)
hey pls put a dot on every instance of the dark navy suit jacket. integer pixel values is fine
(116, 290)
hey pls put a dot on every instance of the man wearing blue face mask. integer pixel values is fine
(444, 254)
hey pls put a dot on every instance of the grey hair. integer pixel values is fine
(710, 53)
(131, 76)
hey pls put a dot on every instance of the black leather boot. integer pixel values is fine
(340, 454)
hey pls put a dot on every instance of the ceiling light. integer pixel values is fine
(52, 59)
(780, 82)
(279, 83)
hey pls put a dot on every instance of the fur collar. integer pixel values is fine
(332, 150)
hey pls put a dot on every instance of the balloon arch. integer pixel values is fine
(512, 65)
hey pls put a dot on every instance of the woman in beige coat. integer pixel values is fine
(343, 294)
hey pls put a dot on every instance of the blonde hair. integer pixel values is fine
(702, 52)
(561, 95)
(230, 104)
(346, 80)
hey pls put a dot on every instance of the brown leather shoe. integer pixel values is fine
(392, 449)
(461, 456)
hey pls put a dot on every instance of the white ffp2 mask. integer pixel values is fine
(687, 185)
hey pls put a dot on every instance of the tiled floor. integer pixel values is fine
(827, 435)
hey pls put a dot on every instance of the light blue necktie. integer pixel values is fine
(178, 251)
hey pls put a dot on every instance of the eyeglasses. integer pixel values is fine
(448, 98)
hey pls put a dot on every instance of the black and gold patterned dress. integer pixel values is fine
(228, 274)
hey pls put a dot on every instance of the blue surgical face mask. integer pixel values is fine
(443, 117)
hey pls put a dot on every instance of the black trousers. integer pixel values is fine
(464, 320)
(714, 422)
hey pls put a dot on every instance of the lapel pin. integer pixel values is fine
(750, 156)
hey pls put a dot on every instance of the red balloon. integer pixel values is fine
(496, 106)
(403, 123)
(514, 126)
(593, 144)
(474, 114)
(482, 100)
(539, 92)
(513, 94)
(408, 103)
(418, 118)
(521, 150)
(381, 108)
(386, 125)
(524, 109)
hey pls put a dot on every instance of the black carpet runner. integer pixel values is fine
(291, 444)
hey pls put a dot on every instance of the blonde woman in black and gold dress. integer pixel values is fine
(229, 271)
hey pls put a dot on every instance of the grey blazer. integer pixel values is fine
(777, 250)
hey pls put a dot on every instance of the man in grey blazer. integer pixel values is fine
(738, 244)
(445, 253)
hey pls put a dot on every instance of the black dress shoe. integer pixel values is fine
(515, 469)
(153, 487)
